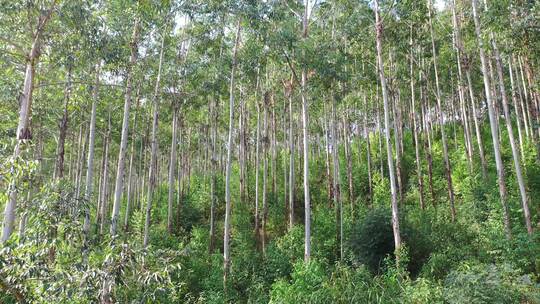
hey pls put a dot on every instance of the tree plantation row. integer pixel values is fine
(277, 151)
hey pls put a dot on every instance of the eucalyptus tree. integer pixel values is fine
(37, 18)
(227, 227)
(152, 177)
(508, 120)
(391, 172)
(119, 184)
(303, 85)
(493, 123)
(441, 116)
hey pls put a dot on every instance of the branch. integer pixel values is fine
(293, 11)
(14, 45)
(292, 68)
(77, 82)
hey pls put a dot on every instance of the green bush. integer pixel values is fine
(372, 240)
(489, 283)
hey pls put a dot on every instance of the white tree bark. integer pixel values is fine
(391, 170)
(23, 127)
(153, 156)
(227, 224)
(492, 121)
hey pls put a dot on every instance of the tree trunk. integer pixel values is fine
(172, 170)
(119, 184)
(338, 204)
(520, 118)
(441, 117)
(104, 179)
(492, 122)
(291, 161)
(380, 64)
(63, 126)
(515, 153)
(23, 127)
(90, 163)
(265, 144)
(368, 152)
(348, 156)
(153, 156)
(214, 116)
(257, 173)
(227, 223)
(307, 202)
(416, 136)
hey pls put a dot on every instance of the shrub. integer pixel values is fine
(372, 240)
(489, 283)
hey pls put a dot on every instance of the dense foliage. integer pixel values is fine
(136, 209)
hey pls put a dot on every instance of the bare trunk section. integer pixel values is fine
(441, 117)
(104, 186)
(305, 126)
(348, 156)
(257, 174)
(63, 126)
(416, 136)
(119, 184)
(172, 169)
(492, 122)
(90, 163)
(265, 144)
(380, 64)
(368, 152)
(214, 163)
(153, 156)
(338, 204)
(291, 161)
(515, 153)
(227, 223)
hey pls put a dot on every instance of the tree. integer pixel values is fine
(23, 128)
(125, 130)
(227, 224)
(391, 172)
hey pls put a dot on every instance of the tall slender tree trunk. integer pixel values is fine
(461, 89)
(23, 127)
(426, 126)
(153, 156)
(416, 135)
(227, 223)
(131, 185)
(368, 152)
(305, 108)
(291, 160)
(104, 186)
(476, 123)
(257, 174)
(214, 116)
(265, 144)
(399, 174)
(119, 184)
(80, 159)
(348, 156)
(338, 204)
(379, 128)
(90, 161)
(515, 153)
(441, 117)
(516, 99)
(380, 64)
(63, 126)
(492, 122)
(172, 169)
